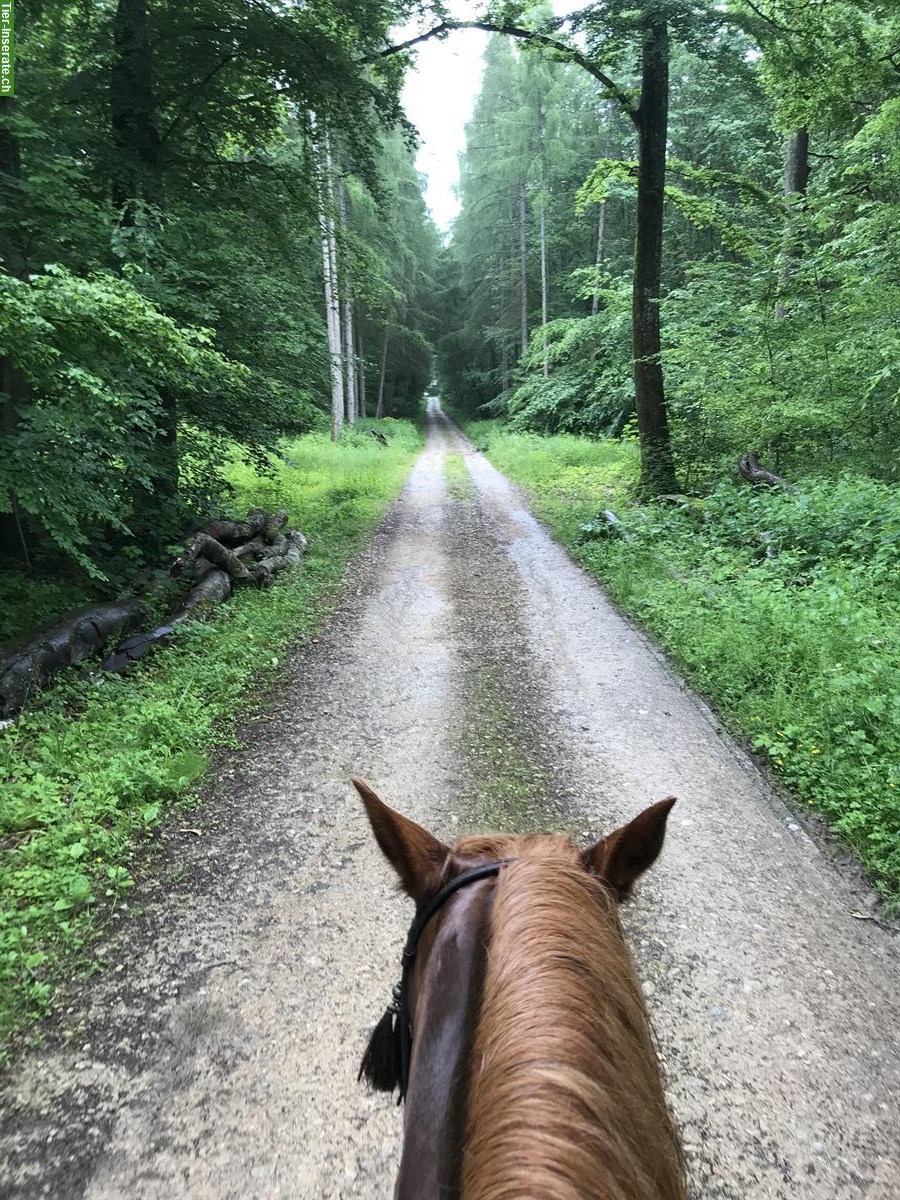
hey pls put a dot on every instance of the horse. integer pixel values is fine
(518, 1037)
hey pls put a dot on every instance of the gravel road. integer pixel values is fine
(477, 678)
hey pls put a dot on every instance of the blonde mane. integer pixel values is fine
(565, 1100)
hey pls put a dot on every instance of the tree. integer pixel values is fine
(163, 190)
(650, 118)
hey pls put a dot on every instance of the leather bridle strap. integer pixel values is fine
(401, 992)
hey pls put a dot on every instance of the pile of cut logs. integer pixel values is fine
(225, 555)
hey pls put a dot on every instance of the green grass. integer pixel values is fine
(783, 608)
(84, 778)
(457, 477)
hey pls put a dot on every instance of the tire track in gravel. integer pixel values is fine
(477, 678)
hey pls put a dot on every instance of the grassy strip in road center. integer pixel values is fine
(84, 776)
(782, 607)
(457, 477)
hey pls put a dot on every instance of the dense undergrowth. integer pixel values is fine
(782, 607)
(89, 771)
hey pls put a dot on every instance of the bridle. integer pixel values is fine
(402, 1030)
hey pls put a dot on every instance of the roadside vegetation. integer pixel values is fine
(783, 607)
(90, 769)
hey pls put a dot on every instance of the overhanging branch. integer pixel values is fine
(569, 53)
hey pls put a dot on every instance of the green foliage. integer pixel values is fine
(97, 356)
(781, 606)
(589, 387)
(87, 777)
(186, 237)
(27, 602)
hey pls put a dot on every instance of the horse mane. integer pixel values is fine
(565, 1099)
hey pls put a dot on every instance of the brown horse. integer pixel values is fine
(518, 1035)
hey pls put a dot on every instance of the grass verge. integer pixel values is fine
(783, 608)
(89, 772)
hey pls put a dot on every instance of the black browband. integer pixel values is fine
(400, 1006)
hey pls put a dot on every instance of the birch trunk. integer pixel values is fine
(322, 156)
(601, 222)
(349, 344)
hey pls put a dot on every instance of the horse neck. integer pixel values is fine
(565, 1098)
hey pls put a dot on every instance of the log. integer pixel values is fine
(274, 525)
(257, 548)
(758, 476)
(36, 658)
(205, 546)
(379, 437)
(237, 532)
(212, 589)
(605, 524)
(296, 546)
(260, 550)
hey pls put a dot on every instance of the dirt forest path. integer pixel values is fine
(477, 678)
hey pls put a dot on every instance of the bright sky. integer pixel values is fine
(438, 96)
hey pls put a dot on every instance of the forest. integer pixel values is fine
(678, 250)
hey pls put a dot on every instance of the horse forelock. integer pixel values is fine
(564, 1098)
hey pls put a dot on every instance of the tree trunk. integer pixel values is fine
(796, 178)
(361, 373)
(601, 223)
(379, 409)
(137, 171)
(544, 287)
(165, 481)
(523, 268)
(347, 305)
(601, 218)
(657, 467)
(13, 383)
(796, 163)
(322, 156)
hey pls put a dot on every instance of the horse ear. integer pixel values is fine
(412, 851)
(625, 854)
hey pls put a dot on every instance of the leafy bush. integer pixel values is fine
(98, 357)
(589, 389)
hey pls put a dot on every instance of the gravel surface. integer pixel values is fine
(478, 679)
